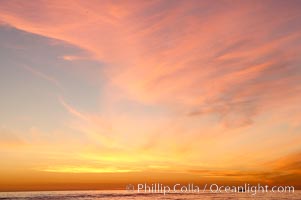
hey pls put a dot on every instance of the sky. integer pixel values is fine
(99, 94)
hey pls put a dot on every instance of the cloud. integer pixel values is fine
(201, 59)
(72, 110)
(215, 55)
(44, 76)
(93, 126)
(73, 58)
(284, 170)
(234, 61)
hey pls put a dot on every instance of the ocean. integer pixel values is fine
(116, 194)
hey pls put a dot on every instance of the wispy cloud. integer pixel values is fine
(73, 58)
(93, 126)
(44, 76)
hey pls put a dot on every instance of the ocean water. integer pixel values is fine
(92, 195)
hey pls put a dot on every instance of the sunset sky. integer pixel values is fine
(98, 94)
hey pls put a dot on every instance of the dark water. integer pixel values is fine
(91, 195)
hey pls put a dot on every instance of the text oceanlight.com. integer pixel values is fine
(212, 188)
